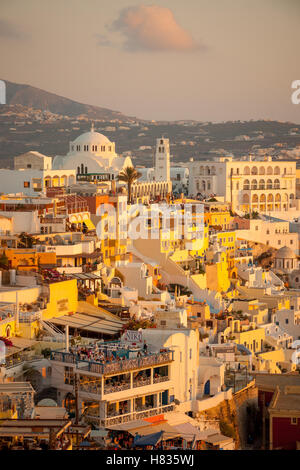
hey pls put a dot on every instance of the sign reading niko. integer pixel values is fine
(131, 336)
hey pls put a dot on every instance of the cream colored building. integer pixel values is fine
(249, 185)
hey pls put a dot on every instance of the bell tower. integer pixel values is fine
(162, 160)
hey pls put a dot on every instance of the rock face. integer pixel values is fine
(237, 417)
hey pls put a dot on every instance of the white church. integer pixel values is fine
(91, 157)
(92, 154)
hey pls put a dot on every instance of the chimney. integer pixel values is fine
(17, 311)
(67, 338)
(12, 277)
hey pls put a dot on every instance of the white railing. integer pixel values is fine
(116, 388)
(120, 419)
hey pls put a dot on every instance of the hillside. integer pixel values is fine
(33, 97)
(34, 119)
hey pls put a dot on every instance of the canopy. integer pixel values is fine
(89, 224)
(150, 440)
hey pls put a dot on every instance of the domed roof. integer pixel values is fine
(47, 402)
(285, 252)
(92, 138)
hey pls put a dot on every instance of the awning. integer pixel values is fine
(97, 324)
(132, 427)
(149, 440)
(170, 432)
(189, 432)
(89, 224)
(19, 344)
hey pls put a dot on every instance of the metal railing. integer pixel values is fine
(115, 366)
(116, 388)
(125, 418)
(141, 383)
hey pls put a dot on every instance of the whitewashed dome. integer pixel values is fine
(285, 252)
(91, 138)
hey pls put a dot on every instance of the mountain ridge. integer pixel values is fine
(37, 98)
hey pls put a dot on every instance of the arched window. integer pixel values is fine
(254, 170)
(82, 168)
(261, 184)
(276, 184)
(246, 185)
(269, 184)
(262, 170)
(254, 184)
(78, 170)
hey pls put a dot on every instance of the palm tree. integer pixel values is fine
(129, 175)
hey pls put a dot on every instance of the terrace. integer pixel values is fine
(112, 364)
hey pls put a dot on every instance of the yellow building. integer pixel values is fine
(24, 259)
(250, 336)
(217, 277)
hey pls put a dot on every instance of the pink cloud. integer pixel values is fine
(153, 28)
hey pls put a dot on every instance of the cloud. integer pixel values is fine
(103, 40)
(153, 28)
(8, 31)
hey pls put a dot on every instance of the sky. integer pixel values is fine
(208, 60)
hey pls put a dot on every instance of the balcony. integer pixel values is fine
(113, 366)
(125, 418)
(142, 382)
(116, 388)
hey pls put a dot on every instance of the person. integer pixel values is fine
(145, 347)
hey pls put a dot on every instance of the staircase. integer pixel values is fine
(53, 330)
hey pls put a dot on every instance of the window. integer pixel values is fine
(294, 421)
(29, 165)
(190, 353)
(26, 184)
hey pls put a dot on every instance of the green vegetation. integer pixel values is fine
(129, 175)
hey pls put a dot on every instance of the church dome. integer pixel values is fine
(91, 138)
(285, 252)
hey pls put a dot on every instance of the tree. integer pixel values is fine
(129, 175)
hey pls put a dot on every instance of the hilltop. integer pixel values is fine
(36, 98)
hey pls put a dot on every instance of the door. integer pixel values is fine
(207, 388)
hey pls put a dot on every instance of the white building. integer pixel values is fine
(32, 181)
(93, 156)
(262, 185)
(162, 160)
(32, 160)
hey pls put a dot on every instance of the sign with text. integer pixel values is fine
(132, 336)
